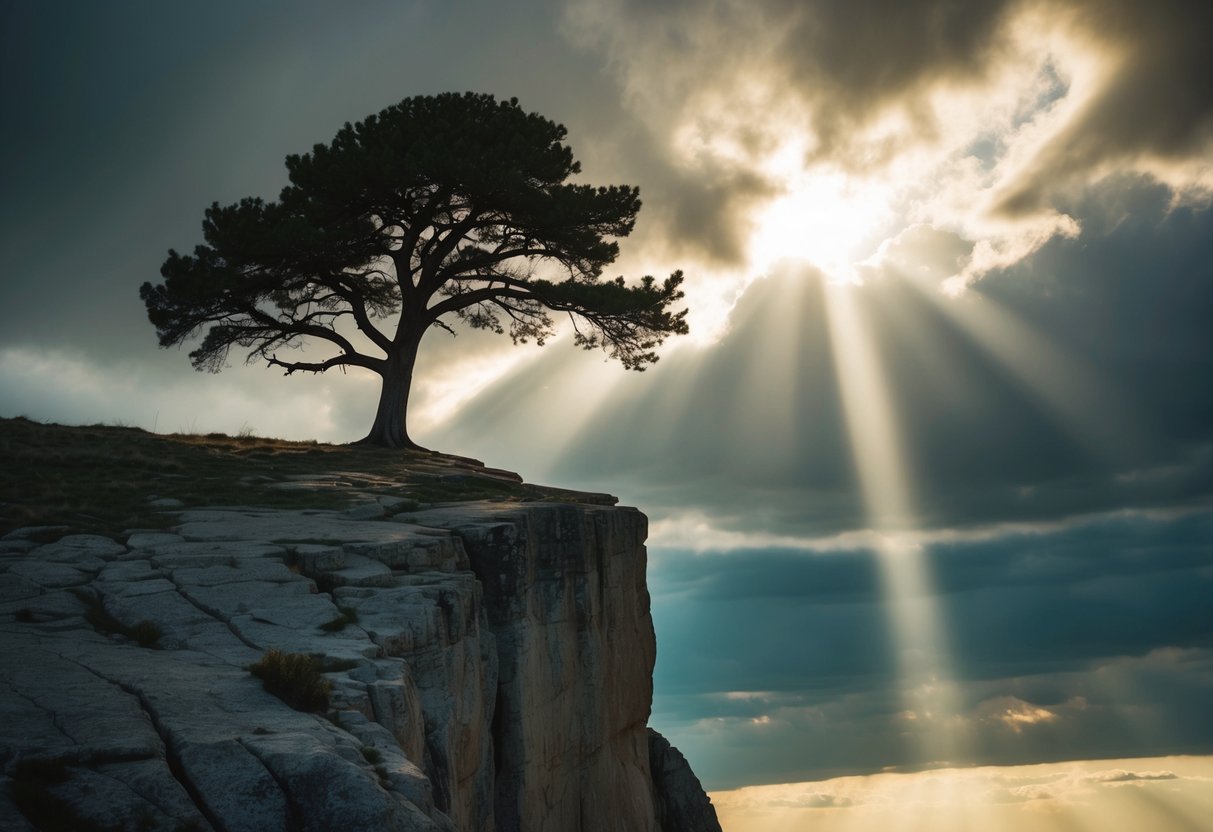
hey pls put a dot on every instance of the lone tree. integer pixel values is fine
(440, 208)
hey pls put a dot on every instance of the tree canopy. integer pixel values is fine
(439, 209)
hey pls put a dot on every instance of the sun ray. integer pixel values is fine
(1089, 411)
(927, 690)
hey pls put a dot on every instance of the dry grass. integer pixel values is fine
(295, 678)
(143, 633)
(99, 478)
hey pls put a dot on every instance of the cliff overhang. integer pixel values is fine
(487, 663)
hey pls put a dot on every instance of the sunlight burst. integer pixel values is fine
(822, 216)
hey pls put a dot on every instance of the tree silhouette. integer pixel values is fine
(438, 209)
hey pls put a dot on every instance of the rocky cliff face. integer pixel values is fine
(489, 664)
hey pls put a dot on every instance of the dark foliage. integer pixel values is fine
(438, 208)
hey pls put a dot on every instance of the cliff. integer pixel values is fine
(481, 665)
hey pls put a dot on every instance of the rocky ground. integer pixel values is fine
(127, 700)
(448, 665)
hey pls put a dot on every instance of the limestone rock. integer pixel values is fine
(682, 805)
(490, 666)
(564, 588)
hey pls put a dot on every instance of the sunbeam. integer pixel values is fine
(869, 412)
(1070, 391)
(927, 690)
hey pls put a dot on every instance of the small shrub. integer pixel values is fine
(24, 615)
(295, 678)
(144, 633)
(372, 755)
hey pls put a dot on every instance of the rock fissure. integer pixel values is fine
(150, 796)
(171, 758)
(54, 717)
(215, 614)
(294, 820)
(490, 664)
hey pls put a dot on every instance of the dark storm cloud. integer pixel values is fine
(1157, 103)
(1156, 108)
(1019, 605)
(834, 69)
(1103, 712)
(757, 73)
(124, 121)
(753, 426)
(1061, 644)
(697, 212)
(852, 57)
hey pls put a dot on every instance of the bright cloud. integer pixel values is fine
(1167, 794)
(1017, 714)
(987, 119)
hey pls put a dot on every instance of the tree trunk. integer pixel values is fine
(391, 429)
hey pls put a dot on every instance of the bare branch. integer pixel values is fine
(320, 367)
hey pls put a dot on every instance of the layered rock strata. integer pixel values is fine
(490, 669)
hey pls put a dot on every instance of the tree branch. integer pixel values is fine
(357, 360)
(292, 329)
(361, 318)
(463, 300)
(431, 277)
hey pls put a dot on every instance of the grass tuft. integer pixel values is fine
(295, 678)
(143, 633)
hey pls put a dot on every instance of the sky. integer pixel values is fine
(929, 483)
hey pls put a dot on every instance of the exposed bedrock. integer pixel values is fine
(489, 669)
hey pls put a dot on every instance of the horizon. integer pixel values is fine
(930, 482)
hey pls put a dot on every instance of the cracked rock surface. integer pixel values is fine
(490, 667)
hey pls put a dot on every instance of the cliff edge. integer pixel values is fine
(474, 665)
